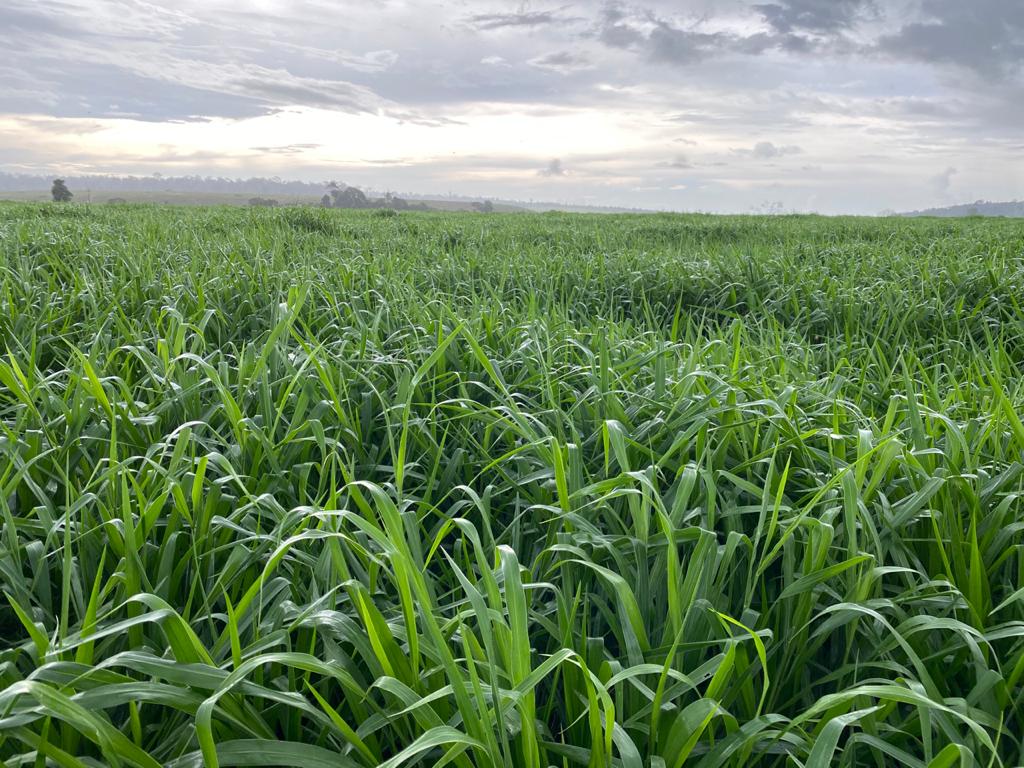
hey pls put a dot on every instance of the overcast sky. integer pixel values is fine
(724, 105)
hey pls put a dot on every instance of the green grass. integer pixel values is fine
(301, 487)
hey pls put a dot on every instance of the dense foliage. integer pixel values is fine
(318, 488)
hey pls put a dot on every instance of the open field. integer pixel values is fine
(318, 488)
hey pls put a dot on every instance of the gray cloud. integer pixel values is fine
(278, 87)
(658, 39)
(122, 19)
(674, 45)
(488, 21)
(153, 64)
(679, 162)
(553, 168)
(765, 150)
(563, 62)
(943, 181)
(817, 16)
(667, 41)
(798, 27)
(615, 29)
(984, 36)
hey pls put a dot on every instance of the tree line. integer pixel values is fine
(336, 196)
(341, 196)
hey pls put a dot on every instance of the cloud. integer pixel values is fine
(43, 126)
(656, 38)
(279, 88)
(883, 93)
(942, 182)
(615, 28)
(286, 149)
(680, 162)
(766, 150)
(797, 27)
(490, 21)
(983, 36)
(122, 19)
(369, 62)
(816, 16)
(563, 62)
(674, 45)
(161, 65)
(554, 168)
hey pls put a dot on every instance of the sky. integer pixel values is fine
(834, 106)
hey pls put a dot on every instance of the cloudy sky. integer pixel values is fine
(723, 105)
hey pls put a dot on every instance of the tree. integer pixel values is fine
(350, 197)
(60, 192)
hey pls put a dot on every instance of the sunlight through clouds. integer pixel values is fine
(476, 98)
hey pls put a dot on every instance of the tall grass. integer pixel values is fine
(309, 488)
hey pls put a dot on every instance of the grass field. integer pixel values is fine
(312, 488)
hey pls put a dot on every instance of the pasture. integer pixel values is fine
(316, 488)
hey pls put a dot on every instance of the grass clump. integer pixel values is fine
(314, 488)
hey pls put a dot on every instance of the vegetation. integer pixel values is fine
(353, 197)
(319, 488)
(208, 190)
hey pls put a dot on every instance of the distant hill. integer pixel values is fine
(980, 208)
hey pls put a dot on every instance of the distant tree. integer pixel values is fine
(485, 207)
(60, 192)
(325, 201)
(349, 197)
